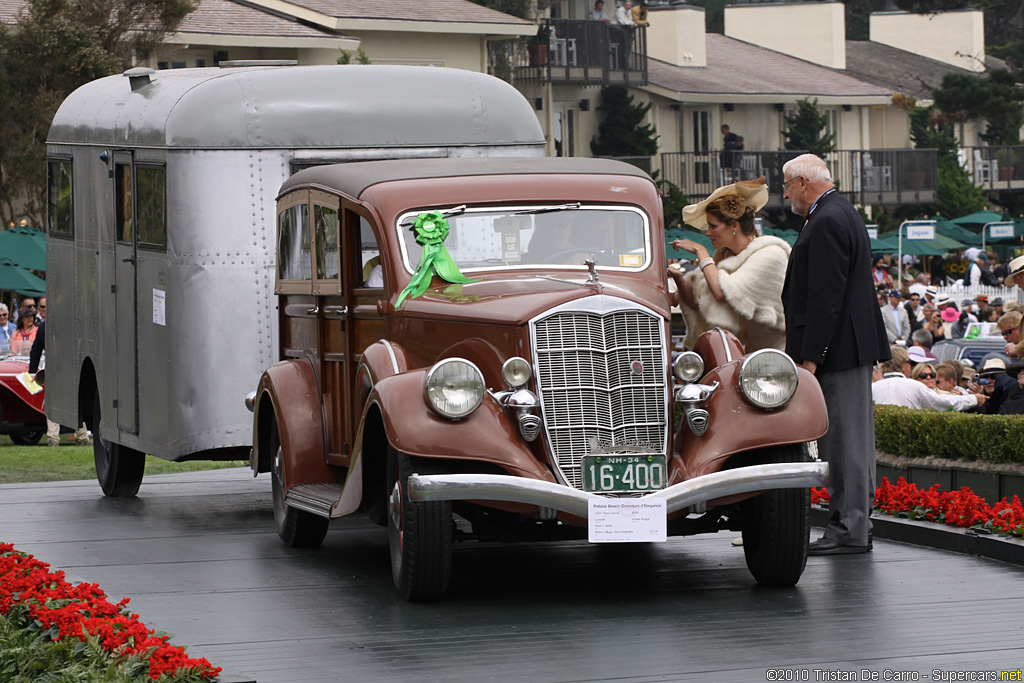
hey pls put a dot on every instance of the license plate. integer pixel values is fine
(623, 473)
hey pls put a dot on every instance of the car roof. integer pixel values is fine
(353, 178)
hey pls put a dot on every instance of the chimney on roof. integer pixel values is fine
(813, 31)
(676, 35)
(956, 38)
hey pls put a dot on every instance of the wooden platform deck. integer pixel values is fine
(198, 556)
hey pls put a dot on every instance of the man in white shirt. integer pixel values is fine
(896, 389)
(623, 16)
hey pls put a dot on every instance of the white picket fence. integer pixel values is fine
(958, 294)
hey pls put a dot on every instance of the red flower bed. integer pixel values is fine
(961, 508)
(66, 610)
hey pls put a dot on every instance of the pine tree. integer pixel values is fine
(622, 132)
(805, 129)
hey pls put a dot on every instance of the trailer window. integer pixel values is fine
(326, 232)
(294, 260)
(60, 213)
(150, 186)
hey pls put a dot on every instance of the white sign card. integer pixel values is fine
(920, 232)
(873, 233)
(159, 307)
(1001, 230)
(626, 520)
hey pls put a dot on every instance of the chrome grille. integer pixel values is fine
(588, 390)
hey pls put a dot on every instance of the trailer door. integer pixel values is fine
(125, 294)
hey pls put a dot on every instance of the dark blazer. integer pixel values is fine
(832, 314)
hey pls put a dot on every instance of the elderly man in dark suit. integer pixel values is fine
(834, 329)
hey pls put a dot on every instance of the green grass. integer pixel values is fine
(69, 462)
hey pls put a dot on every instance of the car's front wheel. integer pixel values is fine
(776, 526)
(419, 534)
(297, 528)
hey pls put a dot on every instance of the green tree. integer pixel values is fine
(998, 100)
(957, 193)
(805, 129)
(346, 57)
(517, 8)
(622, 132)
(54, 47)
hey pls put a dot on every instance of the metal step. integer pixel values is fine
(316, 499)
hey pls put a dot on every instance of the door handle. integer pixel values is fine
(128, 259)
(313, 311)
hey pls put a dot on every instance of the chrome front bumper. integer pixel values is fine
(424, 488)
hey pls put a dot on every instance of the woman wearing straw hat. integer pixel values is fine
(739, 288)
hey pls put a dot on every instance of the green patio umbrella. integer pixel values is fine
(921, 248)
(25, 247)
(957, 232)
(685, 234)
(882, 246)
(945, 242)
(14, 278)
(978, 219)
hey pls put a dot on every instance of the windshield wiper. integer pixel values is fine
(454, 211)
(548, 209)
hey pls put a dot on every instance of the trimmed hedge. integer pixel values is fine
(916, 433)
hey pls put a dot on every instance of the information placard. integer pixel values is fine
(626, 520)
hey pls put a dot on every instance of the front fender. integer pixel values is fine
(288, 396)
(490, 434)
(736, 425)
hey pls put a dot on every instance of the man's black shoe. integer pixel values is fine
(826, 546)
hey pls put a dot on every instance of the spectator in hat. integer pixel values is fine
(1016, 267)
(1013, 404)
(931, 292)
(896, 389)
(997, 306)
(979, 273)
(949, 315)
(1010, 305)
(25, 334)
(967, 306)
(992, 380)
(895, 318)
(1009, 328)
(916, 356)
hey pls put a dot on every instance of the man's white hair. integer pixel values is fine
(808, 166)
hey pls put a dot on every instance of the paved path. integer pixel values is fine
(198, 556)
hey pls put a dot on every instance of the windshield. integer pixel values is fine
(557, 235)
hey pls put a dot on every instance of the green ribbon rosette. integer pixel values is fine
(431, 229)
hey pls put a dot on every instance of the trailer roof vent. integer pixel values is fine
(139, 77)
(227, 64)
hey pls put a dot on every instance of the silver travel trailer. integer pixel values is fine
(161, 221)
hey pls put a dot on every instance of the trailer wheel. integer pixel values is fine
(419, 534)
(776, 526)
(119, 469)
(27, 438)
(297, 528)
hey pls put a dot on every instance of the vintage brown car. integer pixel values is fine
(536, 380)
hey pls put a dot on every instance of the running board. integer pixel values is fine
(316, 499)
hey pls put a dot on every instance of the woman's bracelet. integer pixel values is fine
(704, 262)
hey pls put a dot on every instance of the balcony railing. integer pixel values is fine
(584, 52)
(879, 177)
(995, 168)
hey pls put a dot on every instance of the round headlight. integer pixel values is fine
(455, 387)
(688, 367)
(768, 378)
(516, 372)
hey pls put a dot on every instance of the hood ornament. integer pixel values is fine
(591, 264)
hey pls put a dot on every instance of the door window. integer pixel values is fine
(151, 187)
(125, 206)
(294, 260)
